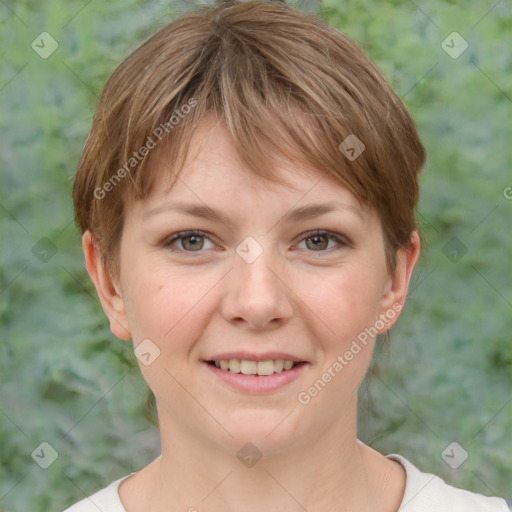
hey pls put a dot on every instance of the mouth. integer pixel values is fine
(250, 367)
(254, 377)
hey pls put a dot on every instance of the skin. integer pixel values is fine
(296, 298)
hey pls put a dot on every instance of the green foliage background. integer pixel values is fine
(447, 373)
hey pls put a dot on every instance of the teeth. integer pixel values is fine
(234, 365)
(288, 365)
(248, 367)
(265, 368)
(254, 367)
(278, 365)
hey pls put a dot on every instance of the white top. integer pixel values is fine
(424, 492)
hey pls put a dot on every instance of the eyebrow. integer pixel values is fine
(297, 215)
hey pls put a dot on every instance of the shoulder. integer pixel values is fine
(106, 500)
(425, 492)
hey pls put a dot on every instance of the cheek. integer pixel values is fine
(345, 301)
(346, 308)
(172, 309)
(165, 303)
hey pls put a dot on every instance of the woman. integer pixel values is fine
(246, 199)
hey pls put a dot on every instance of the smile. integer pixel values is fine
(248, 367)
(255, 377)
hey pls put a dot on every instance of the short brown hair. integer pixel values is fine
(283, 82)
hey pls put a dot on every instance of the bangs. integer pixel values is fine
(271, 106)
(287, 87)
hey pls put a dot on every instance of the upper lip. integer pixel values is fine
(249, 356)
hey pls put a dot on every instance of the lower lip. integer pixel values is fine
(257, 383)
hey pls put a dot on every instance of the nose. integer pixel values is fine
(257, 295)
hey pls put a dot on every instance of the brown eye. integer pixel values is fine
(318, 242)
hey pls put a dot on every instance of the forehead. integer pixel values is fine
(215, 176)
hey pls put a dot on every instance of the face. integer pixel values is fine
(268, 281)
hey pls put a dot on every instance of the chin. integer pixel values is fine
(268, 430)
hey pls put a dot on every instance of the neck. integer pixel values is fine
(334, 471)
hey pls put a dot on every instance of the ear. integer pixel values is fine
(110, 298)
(395, 293)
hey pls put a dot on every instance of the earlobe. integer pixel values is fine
(107, 290)
(398, 285)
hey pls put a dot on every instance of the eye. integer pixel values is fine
(190, 241)
(318, 241)
(194, 241)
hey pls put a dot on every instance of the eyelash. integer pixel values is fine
(167, 243)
